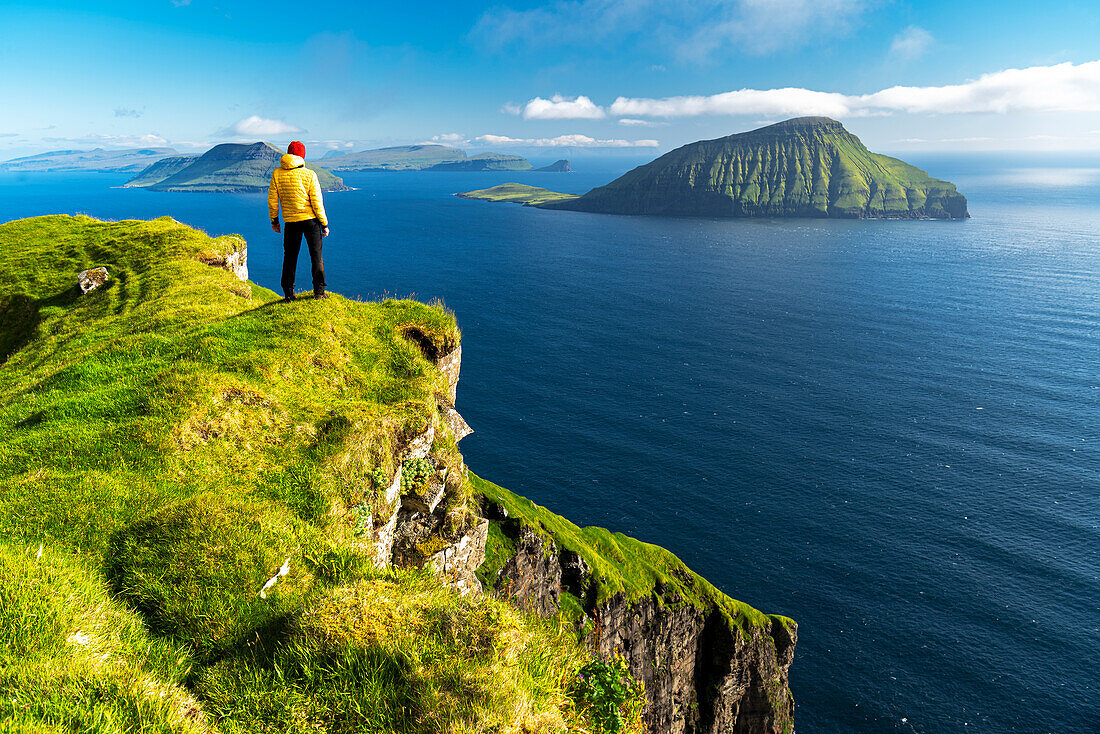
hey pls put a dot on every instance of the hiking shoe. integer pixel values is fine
(288, 299)
(319, 296)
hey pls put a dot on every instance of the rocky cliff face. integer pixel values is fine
(704, 672)
(710, 665)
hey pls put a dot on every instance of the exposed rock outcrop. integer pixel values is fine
(709, 664)
(705, 672)
(89, 280)
(702, 675)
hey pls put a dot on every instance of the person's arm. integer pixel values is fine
(318, 203)
(273, 203)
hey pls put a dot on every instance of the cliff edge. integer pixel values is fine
(221, 513)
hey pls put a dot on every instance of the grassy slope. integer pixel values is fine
(174, 437)
(159, 171)
(620, 564)
(804, 167)
(516, 193)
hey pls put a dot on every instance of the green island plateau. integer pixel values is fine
(229, 168)
(126, 160)
(804, 167)
(224, 513)
(428, 157)
(516, 193)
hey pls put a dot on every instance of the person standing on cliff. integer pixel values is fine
(297, 189)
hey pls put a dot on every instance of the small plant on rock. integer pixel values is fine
(415, 474)
(378, 477)
(363, 516)
(611, 697)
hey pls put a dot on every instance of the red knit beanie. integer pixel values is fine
(296, 148)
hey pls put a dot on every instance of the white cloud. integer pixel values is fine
(125, 112)
(629, 121)
(256, 126)
(449, 138)
(692, 29)
(911, 43)
(1059, 88)
(510, 108)
(563, 141)
(783, 102)
(562, 108)
(332, 144)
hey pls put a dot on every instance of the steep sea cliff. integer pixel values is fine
(260, 500)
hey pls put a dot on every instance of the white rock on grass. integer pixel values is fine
(89, 280)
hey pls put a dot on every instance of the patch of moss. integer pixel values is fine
(499, 547)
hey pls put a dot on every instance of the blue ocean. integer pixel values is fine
(888, 430)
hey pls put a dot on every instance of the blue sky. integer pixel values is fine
(632, 76)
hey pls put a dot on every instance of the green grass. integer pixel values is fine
(74, 659)
(176, 436)
(517, 193)
(401, 653)
(620, 564)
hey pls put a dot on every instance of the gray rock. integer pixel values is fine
(458, 425)
(89, 280)
(383, 537)
(450, 365)
(420, 446)
(531, 578)
(702, 675)
(425, 499)
(574, 573)
(236, 261)
(460, 559)
(414, 529)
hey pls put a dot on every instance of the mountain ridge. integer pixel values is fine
(802, 167)
(226, 168)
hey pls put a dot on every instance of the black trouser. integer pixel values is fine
(292, 244)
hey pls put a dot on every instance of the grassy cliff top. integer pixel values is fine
(175, 377)
(175, 439)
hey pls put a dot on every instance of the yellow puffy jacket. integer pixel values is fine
(299, 191)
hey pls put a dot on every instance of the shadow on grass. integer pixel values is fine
(21, 314)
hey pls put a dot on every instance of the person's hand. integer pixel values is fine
(324, 231)
(275, 226)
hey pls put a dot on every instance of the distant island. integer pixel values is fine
(432, 158)
(517, 193)
(154, 165)
(229, 167)
(559, 166)
(127, 160)
(804, 167)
